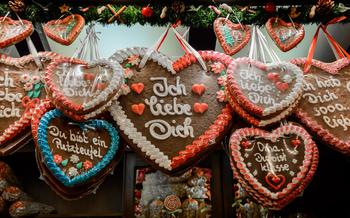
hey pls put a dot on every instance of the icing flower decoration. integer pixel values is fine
(35, 79)
(134, 60)
(72, 171)
(57, 159)
(74, 158)
(220, 95)
(128, 73)
(28, 86)
(87, 164)
(25, 78)
(217, 67)
(125, 89)
(221, 80)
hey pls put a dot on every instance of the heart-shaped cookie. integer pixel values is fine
(264, 89)
(170, 133)
(75, 152)
(21, 88)
(66, 30)
(83, 90)
(324, 107)
(285, 35)
(273, 167)
(13, 31)
(232, 37)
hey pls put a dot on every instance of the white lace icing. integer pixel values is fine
(125, 123)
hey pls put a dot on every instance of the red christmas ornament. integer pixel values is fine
(270, 7)
(147, 11)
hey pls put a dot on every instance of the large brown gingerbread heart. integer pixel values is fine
(21, 88)
(324, 107)
(172, 119)
(273, 167)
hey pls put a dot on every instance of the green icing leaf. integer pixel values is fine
(80, 165)
(228, 36)
(38, 86)
(30, 94)
(64, 163)
(36, 93)
(127, 65)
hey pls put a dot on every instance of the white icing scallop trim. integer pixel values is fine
(122, 120)
(115, 82)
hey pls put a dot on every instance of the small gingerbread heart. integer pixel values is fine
(13, 31)
(66, 30)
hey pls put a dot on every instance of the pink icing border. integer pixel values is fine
(309, 122)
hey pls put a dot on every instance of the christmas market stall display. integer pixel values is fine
(238, 133)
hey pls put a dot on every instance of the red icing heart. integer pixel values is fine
(296, 142)
(286, 35)
(200, 107)
(174, 131)
(22, 90)
(137, 87)
(138, 108)
(324, 107)
(66, 30)
(13, 31)
(231, 37)
(282, 86)
(272, 170)
(275, 181)
(245, 144)
(274, 77)
(198, 89)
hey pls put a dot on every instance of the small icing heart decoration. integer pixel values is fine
(83, 90)
(13, 31)
(198, 89)
(285, 35)
(21, 89)
(138, 108)
(263, 92)
(272, 169)
(200, 107)
(75, 152)
(324, 106)
(66, 30)
(137, 87)
(179, 116)
(232, 37)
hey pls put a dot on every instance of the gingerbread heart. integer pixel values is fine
(171, 133)
(21, 88)
(256, 88)
(270, 167)
(324, 107)
(66, 30)
(232, 37)
(13, 31)
(75, 152)
(83, 90)
(285, 35)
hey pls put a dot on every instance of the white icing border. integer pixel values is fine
(121, 118)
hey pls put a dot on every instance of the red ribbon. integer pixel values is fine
(341, 52)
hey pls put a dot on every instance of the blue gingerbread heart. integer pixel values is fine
(68, 142)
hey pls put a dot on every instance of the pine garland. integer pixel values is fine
(194, 16)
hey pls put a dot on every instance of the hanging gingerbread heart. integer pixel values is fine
(75, 152)
(273, 167)
(66, 30)
(285, 35)
(324, 104)
(21, 88)
(13, 31)
(83, 90)
(264, 90)
(232, 37)
(172, 120)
